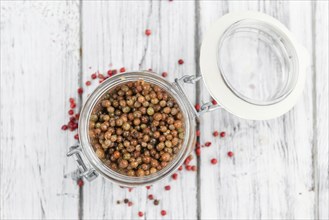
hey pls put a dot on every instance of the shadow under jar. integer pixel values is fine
(250, 64)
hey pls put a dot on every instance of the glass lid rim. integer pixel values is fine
(221, 92)
(287, 48)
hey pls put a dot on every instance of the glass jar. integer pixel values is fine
(250, 64)
(96, 166)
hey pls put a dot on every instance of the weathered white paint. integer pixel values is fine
(280, 168)
(39, 72)
(117, 30)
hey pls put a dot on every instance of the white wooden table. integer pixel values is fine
(50, 48)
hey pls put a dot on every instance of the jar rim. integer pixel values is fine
(112, 82)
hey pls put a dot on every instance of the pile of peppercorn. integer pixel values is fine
(136, 128)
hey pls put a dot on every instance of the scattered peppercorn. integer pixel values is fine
(122, 70)
(188, 167)
(197, 107)
(156, 202)
(180, 168)
(76, 136)
(164, 74)
(100, 76)
(163, 212)
(167, 187)
(71, 112)
(140, 214)
(130, 203)
(64, 127)
(198, 151)
(214, 102)
(88, 83)
(216, 133)
(213, 161)
(148, 187)
(126, 200)
(93, 76)
(174, 176)
(180, 61)
(230, 154)
(207, 144)
(118, 202)
(150, 197)
(80, 182)
(148, 32)
(194, 168)
(136, 128)
(80, 91)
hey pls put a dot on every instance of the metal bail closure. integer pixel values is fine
(252, 65)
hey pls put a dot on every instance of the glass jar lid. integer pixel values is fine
(252, 65)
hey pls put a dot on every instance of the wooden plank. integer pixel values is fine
(39, 72)
(270, 175)
(320, 60)
(113, 33)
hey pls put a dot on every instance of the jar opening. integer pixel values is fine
(107, 172)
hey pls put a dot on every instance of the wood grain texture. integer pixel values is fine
(115, 35)
(39, 70)
(321, 70)
(280, 169)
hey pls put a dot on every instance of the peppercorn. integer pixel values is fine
(136, 128)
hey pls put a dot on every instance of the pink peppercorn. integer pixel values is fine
(180, 168)
(64, 127)
(207, 144)
(197, 107)
(194, 168)
(198, 151)
(122, 70)
(109, 73)
(230, 154)
(188, 167)
(222, 134)
(100, 76)
(216, 133)
(71, 112)
(163, 212)
(140, 214)
(88, 83)
(167, 187)
(148, 32)
(130, 203)
(148, 187)
(214, 102)
(213, 161)
(174, 176)
(77, 116)
(71, 100)
(76, 137)
(180, 61)
(73, 105)
(164, 74)
(93, 76)
(150, 197)
(80, 91)
(80, 182)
